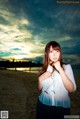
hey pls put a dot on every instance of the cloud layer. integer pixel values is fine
(26, 26)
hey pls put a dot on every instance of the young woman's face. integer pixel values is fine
(54, 55)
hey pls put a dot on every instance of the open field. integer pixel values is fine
(18, 94)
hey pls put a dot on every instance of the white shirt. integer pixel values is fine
(54, 92)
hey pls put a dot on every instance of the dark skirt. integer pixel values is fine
(50, 112)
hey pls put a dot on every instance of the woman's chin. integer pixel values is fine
(52, 61)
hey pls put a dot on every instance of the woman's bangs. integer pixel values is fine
(56, 48)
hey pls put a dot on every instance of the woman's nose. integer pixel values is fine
(54, 53)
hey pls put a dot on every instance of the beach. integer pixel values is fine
(19, 93)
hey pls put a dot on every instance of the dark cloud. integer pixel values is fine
(3, 21)
(16, 49)
(72, 50)
(48, 20)
(5, 53)
(55, 18)
(71, 46)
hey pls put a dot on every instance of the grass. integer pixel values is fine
(18, 94)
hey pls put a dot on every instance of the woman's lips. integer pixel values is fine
(54, 58)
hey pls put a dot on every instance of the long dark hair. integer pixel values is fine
(55, 46)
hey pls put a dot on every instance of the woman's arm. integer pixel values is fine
(66, 80)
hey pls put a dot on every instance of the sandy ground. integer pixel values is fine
(18, 94)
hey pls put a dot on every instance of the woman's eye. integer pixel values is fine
(57, 50)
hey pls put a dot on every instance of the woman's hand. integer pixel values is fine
(57, 65)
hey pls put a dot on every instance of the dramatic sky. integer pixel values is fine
(27, 25)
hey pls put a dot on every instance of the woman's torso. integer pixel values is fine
(53, 91)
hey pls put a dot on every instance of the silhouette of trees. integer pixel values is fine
(13, 64)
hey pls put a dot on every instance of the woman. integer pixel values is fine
(55, 81)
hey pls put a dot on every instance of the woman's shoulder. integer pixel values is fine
(66, 66)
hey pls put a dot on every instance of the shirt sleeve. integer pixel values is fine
(69, 73)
